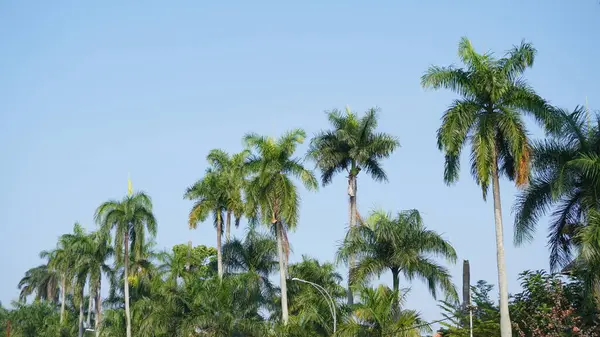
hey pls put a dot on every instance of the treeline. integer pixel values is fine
(200, 291)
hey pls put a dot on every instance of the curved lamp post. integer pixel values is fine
(328, 298)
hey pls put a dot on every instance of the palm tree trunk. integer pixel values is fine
(219, 252)
(98, 307)
(88, 322)
(282, 274)
(81, 314)
(505, 325)
(396, 286)
(63, 295)
(126, 286)
(228, 226)
(351, 222)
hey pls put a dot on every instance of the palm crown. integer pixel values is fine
(270, 190)
(132, 216)
(402, 245)
(352, 145)
(566, 179)
(232, 170)
(489, 113)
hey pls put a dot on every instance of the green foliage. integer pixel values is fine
(132, 216)
(494, 98)
(39, 318)
(565, 182)
(180, 293)
(352, 145)
(43, 281)
(271, 193)
(378, 315)
(402, 245)
(209, 197)
(255, 255)
(486, 315)
(308, 305)
(547, 306)
(232, 171)
(187, 262)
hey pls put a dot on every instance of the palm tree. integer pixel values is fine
(95, 258)
(130, 218)
(209, 193)
(224, 308)
(489, 115)
(565, 179)
(256, 255)
(63, 260)
(272, 195)
(233, 171)
(401, 244)
(308, 304)
(378, 315)
(187, 263)
(80, 248)
(352, 145)
(41, 280)
(587, 263)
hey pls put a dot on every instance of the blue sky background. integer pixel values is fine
(92, 91)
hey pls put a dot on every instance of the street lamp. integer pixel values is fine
(328, 298)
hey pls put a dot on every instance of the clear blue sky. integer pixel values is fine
(90, 92)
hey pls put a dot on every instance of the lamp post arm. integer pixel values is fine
(324, 293)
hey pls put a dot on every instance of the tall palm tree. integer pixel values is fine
(402, 245)
(63, 260)
(272, 195)
(489, 115)
(565, 181)
(352, 145)
(210, 198)
(96, 259)
(80, 248)
(130, 218)
(233, 170)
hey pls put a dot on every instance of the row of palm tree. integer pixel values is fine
(561, 173)
(181, 293)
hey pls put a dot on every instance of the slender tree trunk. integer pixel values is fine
(282, 274)
(505, 325)
(396, 279)
(88, 322)
(396, 286)
(228, 226)
(352, 222)
(63, 295)
(81, 314)
(98, 307)
(219, 249)
(126, 286)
